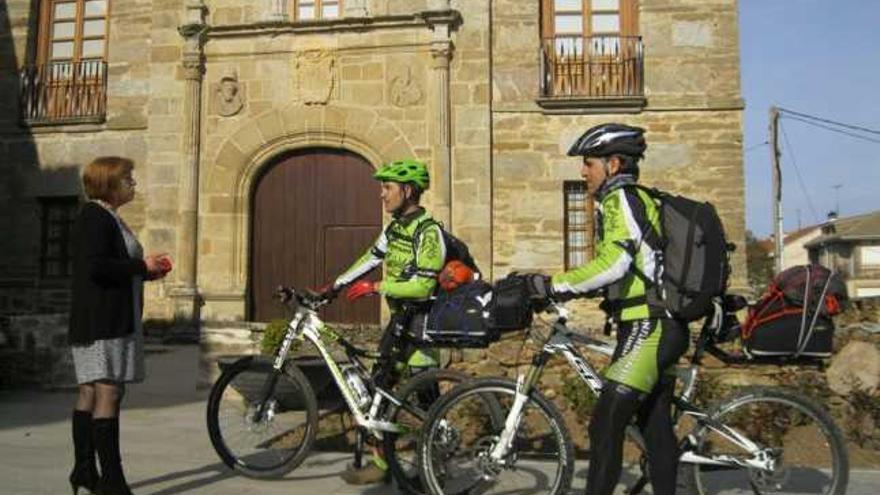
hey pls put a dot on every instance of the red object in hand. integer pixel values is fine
(361, 289)
(165, 265)
(455, 274)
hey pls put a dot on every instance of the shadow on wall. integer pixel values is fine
(28, 190)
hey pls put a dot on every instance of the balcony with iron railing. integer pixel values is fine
(603, 72)
(64, 93)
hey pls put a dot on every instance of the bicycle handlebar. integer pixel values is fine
(289, 294)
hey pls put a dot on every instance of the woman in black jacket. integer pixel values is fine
(105, 331)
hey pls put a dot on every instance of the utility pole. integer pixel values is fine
(777, 189)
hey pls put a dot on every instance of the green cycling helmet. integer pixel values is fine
(405, 171)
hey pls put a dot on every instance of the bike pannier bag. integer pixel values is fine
(457, 319)
(779, 338)
(511, 308)
(794, 316)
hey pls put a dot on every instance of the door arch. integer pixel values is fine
(314, 212)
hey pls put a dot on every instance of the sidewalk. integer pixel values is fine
(165, 445)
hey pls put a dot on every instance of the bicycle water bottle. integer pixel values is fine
(354, 380)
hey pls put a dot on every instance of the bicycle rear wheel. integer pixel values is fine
(807, 447)
(278, 441)
(460, 433)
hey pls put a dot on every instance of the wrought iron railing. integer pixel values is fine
(60, 92)
(592, 67)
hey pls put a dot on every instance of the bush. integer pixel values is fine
(862, 423)
(580, 398)
(273, 335)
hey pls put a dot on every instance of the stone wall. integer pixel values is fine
(47, 161)
(693, 119)
(34, 352)
(381, 93)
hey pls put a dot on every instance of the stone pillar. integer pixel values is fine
(441, 53)
(185, 291)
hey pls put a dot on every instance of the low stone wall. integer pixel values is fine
(219, 340)
(559, 383)
(34, 352)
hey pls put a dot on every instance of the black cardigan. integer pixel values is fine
(102, 298)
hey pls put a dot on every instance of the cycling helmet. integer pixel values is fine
(609, 139)
(405, 171)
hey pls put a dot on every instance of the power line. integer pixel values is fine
(798, 173)
(832, 129)
(829, 121)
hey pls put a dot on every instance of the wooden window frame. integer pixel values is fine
(319, 10)
(626, 9)
(45, 33)
(68, 205)
(593, 72)
(569, 188)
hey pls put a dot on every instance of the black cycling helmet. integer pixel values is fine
(610, 139)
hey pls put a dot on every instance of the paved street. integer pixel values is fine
(165, 445)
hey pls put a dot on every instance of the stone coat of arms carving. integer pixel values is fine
(314, 76)
(404, 90)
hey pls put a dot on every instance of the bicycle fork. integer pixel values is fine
(525, 383)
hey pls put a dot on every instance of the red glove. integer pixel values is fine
(361, 289)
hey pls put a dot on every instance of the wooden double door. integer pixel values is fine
(314, 213)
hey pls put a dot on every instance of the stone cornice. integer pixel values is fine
(678, 105)
(429, 19)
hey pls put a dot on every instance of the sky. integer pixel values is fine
(822, 58)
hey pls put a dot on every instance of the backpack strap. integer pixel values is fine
(650, 235)
(654, 240)
(416, 238)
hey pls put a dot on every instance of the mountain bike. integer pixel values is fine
(262, 414)
(758, 440)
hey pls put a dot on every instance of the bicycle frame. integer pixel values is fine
(306, 325)
(561, 341)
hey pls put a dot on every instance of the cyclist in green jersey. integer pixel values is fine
(649, 342)
(412, 255)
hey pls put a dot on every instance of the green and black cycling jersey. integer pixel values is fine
(411, 264)
(621, 251)
(624, 264)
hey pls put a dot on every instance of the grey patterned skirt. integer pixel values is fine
(118, 360)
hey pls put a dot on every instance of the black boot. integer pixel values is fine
(85, 471)
(112, 482)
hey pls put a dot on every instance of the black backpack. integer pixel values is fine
(693, 251)
(456, 249)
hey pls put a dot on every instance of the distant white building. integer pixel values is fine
(793, 251)
(852, 247)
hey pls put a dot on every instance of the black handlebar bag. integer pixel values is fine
(511, 308)
(457, 319)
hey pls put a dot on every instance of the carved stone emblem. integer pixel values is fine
(314, 76)
(227, 95)
(404, 91)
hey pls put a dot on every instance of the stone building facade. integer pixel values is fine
(208, 95)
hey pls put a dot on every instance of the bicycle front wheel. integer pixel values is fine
(257, 432)
(461, 432)
(805, 447)
(418, 393)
